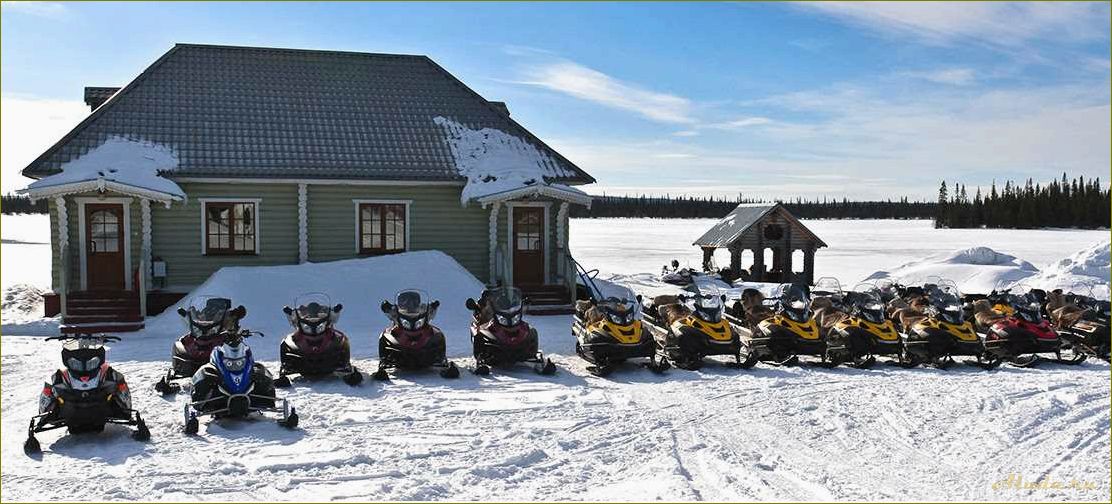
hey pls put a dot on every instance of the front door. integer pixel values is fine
(104, 246)
(528, 245)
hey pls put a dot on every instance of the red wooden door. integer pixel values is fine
(528, 245)
(104, 246)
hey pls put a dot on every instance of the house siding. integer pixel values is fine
(435, 221)
(176, 231)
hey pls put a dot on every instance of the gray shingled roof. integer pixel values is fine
(282, 113)
(738, 221)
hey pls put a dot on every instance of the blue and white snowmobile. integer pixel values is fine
(233, 385)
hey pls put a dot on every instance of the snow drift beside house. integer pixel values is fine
(494, 161)
(22, 312)
(120, 159)
(359, 284)
(977, 269)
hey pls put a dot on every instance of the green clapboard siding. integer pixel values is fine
(436, 221)
(176, 231)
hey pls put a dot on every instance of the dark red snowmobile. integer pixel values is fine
(411, 341)
(1023, 333)
(315, 348)
(500, 336)
(207, 319)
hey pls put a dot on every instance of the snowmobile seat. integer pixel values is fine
(984, 314)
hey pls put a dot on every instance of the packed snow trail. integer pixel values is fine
(717, 434)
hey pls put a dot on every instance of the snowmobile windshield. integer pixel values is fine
(413, 309)
(207, 314)
(82, 358)
(827, 286)
(620, 311)
(314, 312)
(947, 303)
(507, 303)
(869, 303)
(1026, 304)
(795, 303)
(708, 305)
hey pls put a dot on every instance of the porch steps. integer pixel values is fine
(548, 300)
(101, 311)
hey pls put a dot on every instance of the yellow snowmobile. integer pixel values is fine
(608, 330)
(791, 332)
(866, 329)
(690, 327)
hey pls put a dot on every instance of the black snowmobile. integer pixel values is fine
(1082, 321)
(207, 319)
(499, 334)
(692, 326)
(233, 385)
(608, 331)
(411, 341)
(85, 395)
(315, 348)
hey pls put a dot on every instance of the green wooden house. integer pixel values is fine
(216, 156)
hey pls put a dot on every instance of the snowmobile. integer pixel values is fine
(1014, 329)
(608, 331)
(500, 336)
(207, 319)
(792, 331)
(1081, 321)
(315, 348)
(85, 395)
(941, 331)
(233, 385)
(411, 341)
(673, 274)
(692, 326)
(856, 323)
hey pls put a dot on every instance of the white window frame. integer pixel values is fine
(81, 202)
(258, 223)
(408, 219)
(510, 236)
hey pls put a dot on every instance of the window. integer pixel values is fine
(230, 228)
(381, 228)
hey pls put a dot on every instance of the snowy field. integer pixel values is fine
(716, 434)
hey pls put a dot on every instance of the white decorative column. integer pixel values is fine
(561, 243)
(63, 252)
(493, 232)
(302, 223)
(145, 244)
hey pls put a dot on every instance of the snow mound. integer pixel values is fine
(127, 161)
(359, 284)
(22, 312)
(977, 269)
(1087, 269)
(494, 161)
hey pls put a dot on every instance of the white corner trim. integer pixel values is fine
(84, 266)
(408, 218)
(258, 220)
(511, 246)
(302, 223)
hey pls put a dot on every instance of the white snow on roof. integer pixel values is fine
(126, 161)
(495, 162)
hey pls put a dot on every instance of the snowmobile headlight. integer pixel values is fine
(419, 323)
(508, 320)
(235, 365)
(75, 365)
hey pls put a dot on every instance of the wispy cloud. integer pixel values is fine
(585, 83)
(52, 10)
(992, 23)
(744, 122)
(951, 76)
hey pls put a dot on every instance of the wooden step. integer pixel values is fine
(103, 318)
(550, 309)
(118, 327)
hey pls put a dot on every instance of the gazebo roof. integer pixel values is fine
(741, 219)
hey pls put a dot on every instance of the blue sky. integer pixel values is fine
(861, 100)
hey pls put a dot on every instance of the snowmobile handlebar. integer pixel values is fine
(103, 338)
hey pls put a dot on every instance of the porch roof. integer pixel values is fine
(555, 191)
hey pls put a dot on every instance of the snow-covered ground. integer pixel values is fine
(716, 434)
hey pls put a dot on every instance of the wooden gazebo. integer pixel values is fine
(757, 227)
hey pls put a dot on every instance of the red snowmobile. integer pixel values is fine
(500, 336)
(1022, 333)
(315, 348)
(207, 319)
(85, 395)
(411, 341)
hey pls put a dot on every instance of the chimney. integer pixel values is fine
(96, 96)
(501, 105)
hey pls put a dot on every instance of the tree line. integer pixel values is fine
(15, 204)
(1073, 203)
(668, 207)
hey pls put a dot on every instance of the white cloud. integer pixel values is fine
(588, 84)
(29, 126)
(951, 76)
(52, 10)
(744, 122)
(992, 23)
(686, 133)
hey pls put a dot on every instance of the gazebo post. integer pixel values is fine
(809, 264)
